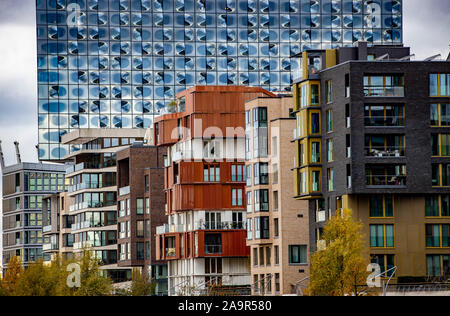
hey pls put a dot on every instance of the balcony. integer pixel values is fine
(219, 226)
(50, 246)
(381, 121)
(170, 252)
(213, 249)
(90, 204)
(89, 185)
(385, 151)
(124, 190)
(320, 216)
(82, 225)
(164, 229)
(384, 91)
(386, 180)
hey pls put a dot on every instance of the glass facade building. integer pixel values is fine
(119, 63)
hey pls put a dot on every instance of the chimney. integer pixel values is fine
(16, 143)
(2, 159)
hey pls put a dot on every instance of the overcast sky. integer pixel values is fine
(426, 26)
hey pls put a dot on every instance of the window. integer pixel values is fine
(315, 152)
(249, 201)
(249, 229)
(277, 255)
(140, 252)
(440, 114)
(387, 175)
(237, 173)
(146, 183)
(275, 227)
(315, 181)
(211, 149)
(440, 145)
(385, 145)
(438, 265)
(248, 175)
(275, 201)
(260, 132)
(437, 205)
(384, 86)
(274, 173)
(237, 197)
(386, 262)
(261, 200)
(329, 150)
(437, 236)
(147, 205)
(268, 256)
(274, 146)
(211, 173)
(439, 85)
(381, 206)
(297, 254)
(261, 173)
(382, 236)
(139, 228)
(384, 115)
(328, 91)
(440, 174)
(140, 206)
(315, 123)
(330, 179)
(262, 227)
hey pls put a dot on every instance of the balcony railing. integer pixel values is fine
(391, 180)
(170, 252)
(384, 91)
(124, 190)
(47, 228)
(162, 229)
(220, 225)
(320, 216)
(213, 249)
(88, 185)
(384, 121)
(84, 205)
(380, 151)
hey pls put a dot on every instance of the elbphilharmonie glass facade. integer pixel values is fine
(119, 63)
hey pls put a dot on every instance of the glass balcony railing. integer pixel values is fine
(89, 185)
(384, 121)
(124, 190)
(220, 225)
(383, 91)
(90, 204)
(385, 151)
(391, 180)
(213, 249)
(170, 252)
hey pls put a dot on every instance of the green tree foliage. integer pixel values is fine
(141, 284)
(341, 267)
(50, 279)
(13, 273)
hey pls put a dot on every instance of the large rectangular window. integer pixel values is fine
(438, 265)
(437, 235)
(261, 173)
(298, 254)
(385, 145)
(211, 173)
(386, 263)
(437, 205)
(329, 150)
(382, 236)
(440, 144)
(381, 206)
(439, 85)
(384, 86)
(261, 200)
(237, 173)
(440, 175)
(440, 114)
(260, 140)
(384, 115)
(330, 179)
(388, 175)
(237, 197)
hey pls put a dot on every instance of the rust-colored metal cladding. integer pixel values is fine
(205, 187)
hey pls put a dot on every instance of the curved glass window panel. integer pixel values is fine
(372, 7)
(264, 6)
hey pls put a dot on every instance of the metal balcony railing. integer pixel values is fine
(384, 91)
(381, 151)
(213, 249)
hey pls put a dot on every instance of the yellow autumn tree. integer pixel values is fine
(340, 268)
(141, 284)
(13, 273)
